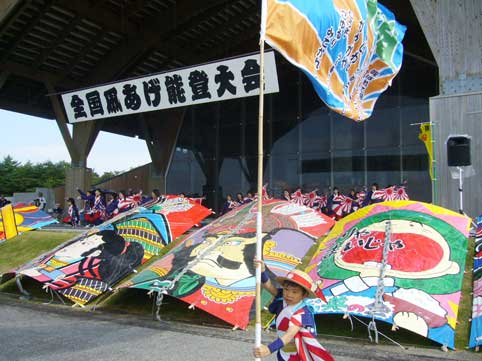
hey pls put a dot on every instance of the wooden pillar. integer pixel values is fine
(161, 131)
(454, 32)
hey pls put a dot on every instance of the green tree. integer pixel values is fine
(17, 177)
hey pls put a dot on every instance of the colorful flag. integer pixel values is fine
(312, 199)
(297, 197)
(425, 136)
(349, 49)
(401, 194)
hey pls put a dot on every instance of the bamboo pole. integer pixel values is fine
(259, 214)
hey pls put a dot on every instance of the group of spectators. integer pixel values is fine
(335, 205)
(101, 205)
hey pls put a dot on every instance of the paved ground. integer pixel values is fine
(34, 332)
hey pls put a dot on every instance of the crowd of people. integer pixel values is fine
(335, 204)
(101, 205)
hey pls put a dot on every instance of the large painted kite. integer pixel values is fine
(89, 265)
(213, 269)
(24, 218)
(476, 328)
(401, 262)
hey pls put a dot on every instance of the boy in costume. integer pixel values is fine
(295, 324)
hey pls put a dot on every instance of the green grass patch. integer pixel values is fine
(26, 246)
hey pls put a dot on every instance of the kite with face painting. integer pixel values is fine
(423, 267)
(213, 268)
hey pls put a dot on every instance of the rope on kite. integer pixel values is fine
(378, 306)
(21, 289)
(372, 326)
(159, 298)
(51, 296)
(388, 338)
(171, 284)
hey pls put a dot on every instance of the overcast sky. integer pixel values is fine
(27, 138)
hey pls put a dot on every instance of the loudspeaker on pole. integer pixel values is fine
(458, 151)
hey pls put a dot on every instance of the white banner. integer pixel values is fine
(212, 82)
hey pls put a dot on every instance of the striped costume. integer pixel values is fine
(305, 346)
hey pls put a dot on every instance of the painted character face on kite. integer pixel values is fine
(76, 250)
(226, 262)
(416, 251)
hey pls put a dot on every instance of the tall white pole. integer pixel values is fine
(259, 214)
(461, 190)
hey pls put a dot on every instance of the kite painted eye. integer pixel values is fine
(232, 243)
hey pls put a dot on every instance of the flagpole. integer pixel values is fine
(259, 214)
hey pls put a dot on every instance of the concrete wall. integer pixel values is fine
(28, 197)
(458, 114)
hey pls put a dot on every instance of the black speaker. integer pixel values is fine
(458, 151)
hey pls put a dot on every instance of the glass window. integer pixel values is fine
(347, 134)
(348, 170)
(383, 166)
(383, 128)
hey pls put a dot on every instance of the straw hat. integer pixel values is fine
(302, 279)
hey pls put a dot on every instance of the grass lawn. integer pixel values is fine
(28, 245)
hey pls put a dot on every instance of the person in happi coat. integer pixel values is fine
(88, 198)
(97, 214)
(111, 207)
(295, 324)
(353, 195)
(286, 195)
(229, 204)
(369, 197)
(239, 199)
(248, 198)
(333, 203)
(73, 217)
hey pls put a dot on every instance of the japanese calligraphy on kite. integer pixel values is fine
(419, 252)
